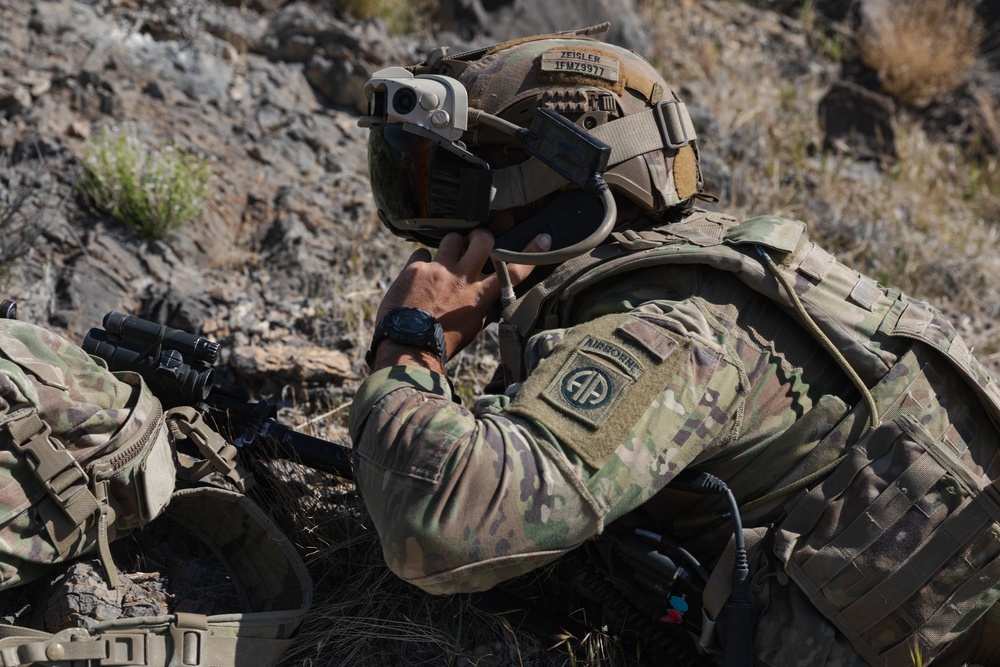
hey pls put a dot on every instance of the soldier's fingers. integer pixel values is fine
(480, 245)
(418, 255)
(519, 272)
(450, 248)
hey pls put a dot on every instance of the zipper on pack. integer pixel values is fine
(125, 456)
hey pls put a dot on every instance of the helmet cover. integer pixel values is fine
(590, 82)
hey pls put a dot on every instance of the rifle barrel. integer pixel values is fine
(316, 453)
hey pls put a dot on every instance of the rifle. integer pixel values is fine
(178, 367)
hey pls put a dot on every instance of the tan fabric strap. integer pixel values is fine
(525, 311)
(628, 137)
(56, 469)
(523, 183)
(189, 641)
(519, 318)
(186, 423)
(66, 484)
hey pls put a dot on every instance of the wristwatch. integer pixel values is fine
(409, 326)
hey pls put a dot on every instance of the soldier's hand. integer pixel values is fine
(452, 287)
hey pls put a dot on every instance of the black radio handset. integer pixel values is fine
(569, 218)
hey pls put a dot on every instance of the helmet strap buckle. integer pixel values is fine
(674, 123)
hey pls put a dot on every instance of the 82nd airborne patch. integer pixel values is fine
(599, 381)
(587, 388)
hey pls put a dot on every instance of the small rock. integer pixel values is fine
(79, 128)
(14, 98)
(38, 83)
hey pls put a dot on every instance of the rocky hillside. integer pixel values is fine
(286, 262)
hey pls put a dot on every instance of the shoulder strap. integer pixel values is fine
(699, 229)
(538, 308)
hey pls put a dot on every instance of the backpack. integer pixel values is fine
(86, 457)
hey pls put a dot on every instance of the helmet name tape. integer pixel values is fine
(595, 65)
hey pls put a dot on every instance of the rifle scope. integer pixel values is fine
(138, 329)
(167, 372)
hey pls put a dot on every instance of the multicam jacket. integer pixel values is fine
(848, 417)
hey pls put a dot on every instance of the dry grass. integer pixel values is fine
(920, 48)
(363, 615)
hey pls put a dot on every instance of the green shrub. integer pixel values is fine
(402, 17)
(151, 189)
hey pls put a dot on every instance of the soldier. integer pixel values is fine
(662, 365)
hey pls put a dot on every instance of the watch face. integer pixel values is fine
(410, 326)
(411, 321)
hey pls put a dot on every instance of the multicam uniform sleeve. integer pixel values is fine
(466, 498)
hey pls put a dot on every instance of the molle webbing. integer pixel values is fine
(901, 540)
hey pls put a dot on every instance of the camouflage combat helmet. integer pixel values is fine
(610, 92)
